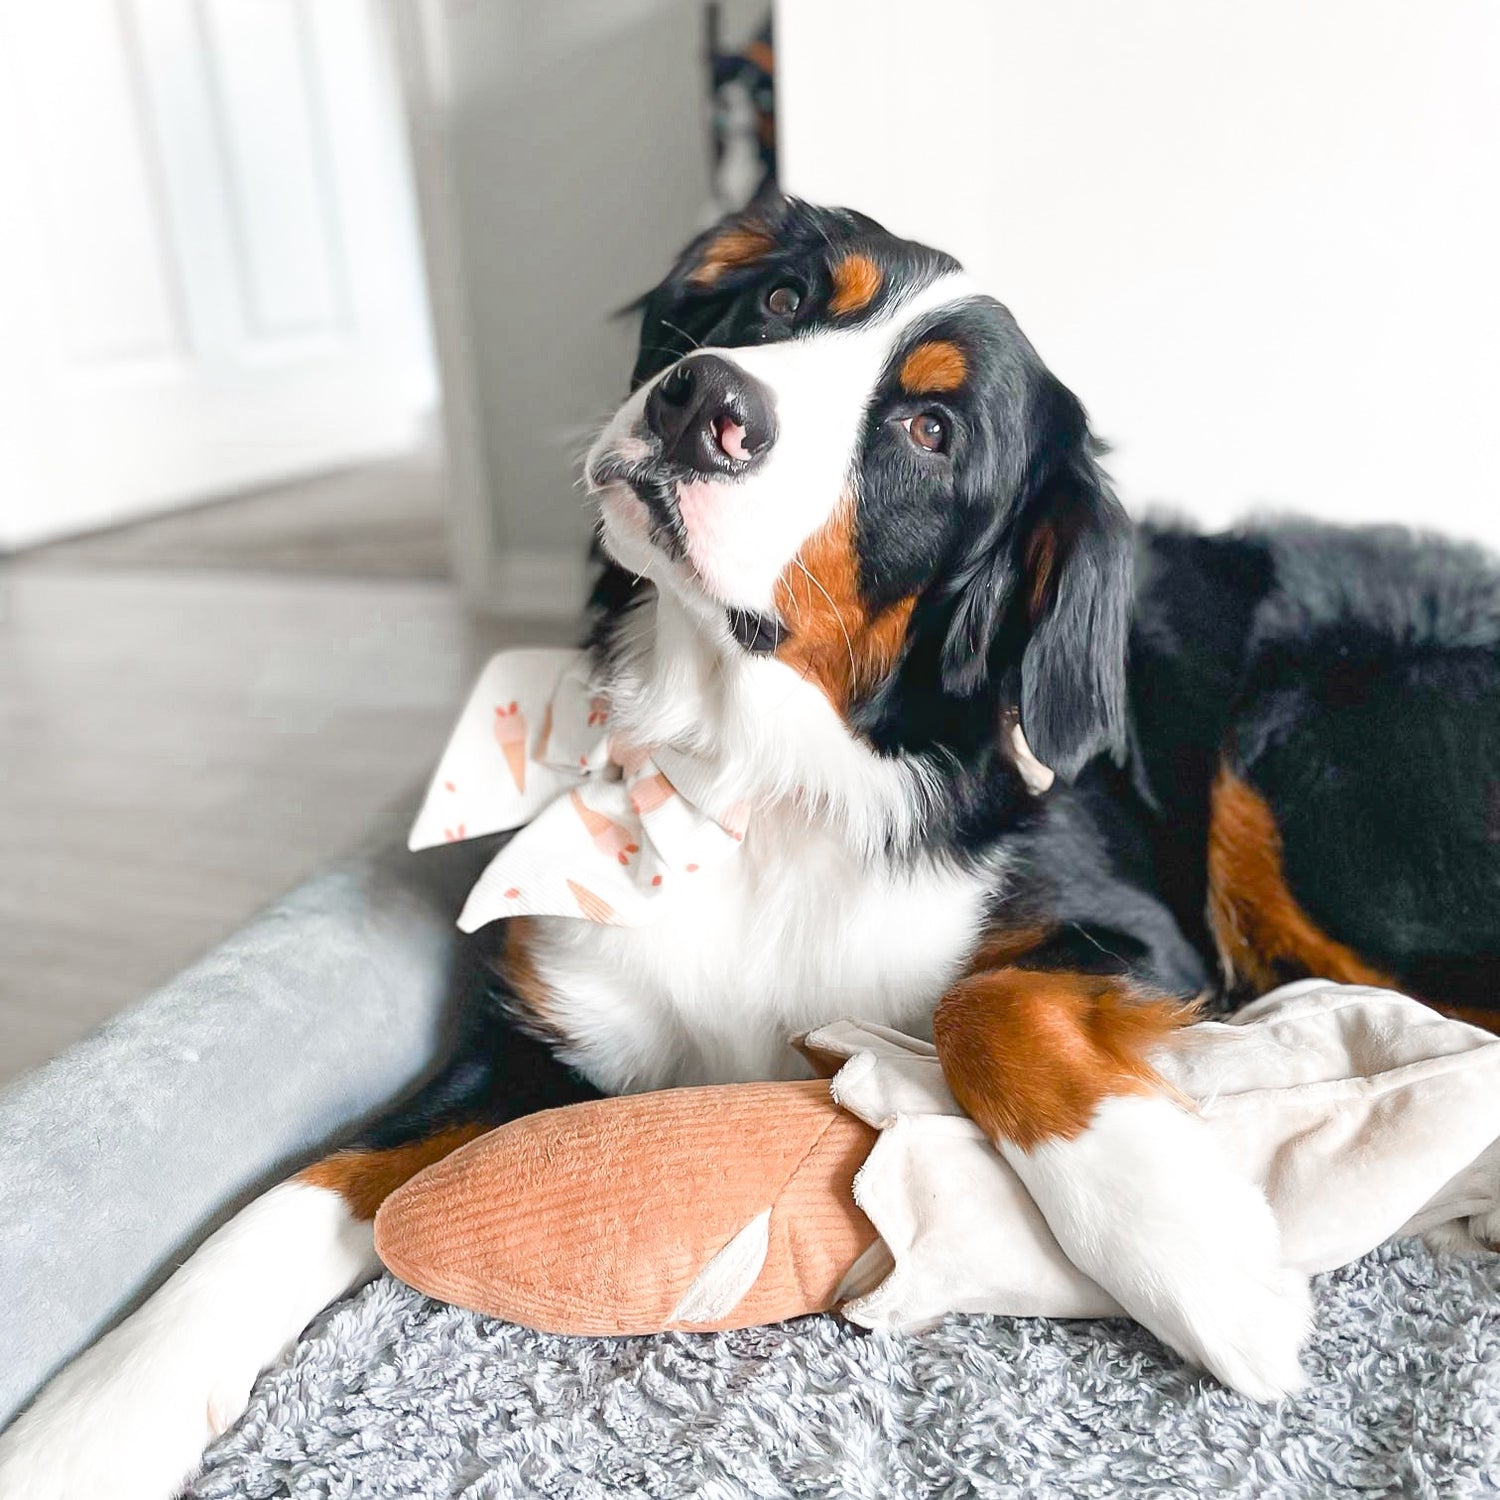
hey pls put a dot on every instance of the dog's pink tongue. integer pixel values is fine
(732, 438)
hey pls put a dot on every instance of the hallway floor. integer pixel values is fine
(198, 711)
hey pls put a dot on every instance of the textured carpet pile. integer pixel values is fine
(390, 1394)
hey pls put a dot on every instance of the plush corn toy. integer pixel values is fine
(1362, 1114)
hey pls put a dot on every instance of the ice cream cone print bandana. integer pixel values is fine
(607, 829)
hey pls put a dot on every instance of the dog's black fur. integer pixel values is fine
(1352, 677)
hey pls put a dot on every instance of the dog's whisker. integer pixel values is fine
(696, 343)
(837, 614)
(663, 349)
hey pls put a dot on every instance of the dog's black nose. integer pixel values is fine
(711, 417)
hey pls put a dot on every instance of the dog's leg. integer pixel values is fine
(132, 1414)
(129, 1419)
(1055, 1067)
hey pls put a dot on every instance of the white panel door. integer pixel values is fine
(209, 276)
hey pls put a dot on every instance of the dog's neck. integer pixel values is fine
(677, 676)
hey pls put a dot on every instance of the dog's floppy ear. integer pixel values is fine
(1052, 579)
(1078, 588)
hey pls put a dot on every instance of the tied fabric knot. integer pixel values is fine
(608, 829)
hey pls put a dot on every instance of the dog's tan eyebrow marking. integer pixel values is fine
(856, 280)
(740, 246)
(934, 366)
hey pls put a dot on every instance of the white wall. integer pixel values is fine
(1261, 241)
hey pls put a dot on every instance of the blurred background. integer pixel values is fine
(308, 308)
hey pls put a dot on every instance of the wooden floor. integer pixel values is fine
(383, 521)
(196, 713)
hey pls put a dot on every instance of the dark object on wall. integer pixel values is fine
(743, 122)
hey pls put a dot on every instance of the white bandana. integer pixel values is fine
(608, 828)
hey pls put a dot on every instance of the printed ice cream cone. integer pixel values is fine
(735, 820)
(650, 792)
(611, 838)
(545, 737)
(510, 735)
(595, 908)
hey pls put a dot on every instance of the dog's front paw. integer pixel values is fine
(1146, 1204)
(1247, 1328)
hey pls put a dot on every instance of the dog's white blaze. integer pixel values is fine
(743, 534)
(129, 1418)
(1148, 1205)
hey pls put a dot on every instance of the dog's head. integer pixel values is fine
(839, 454)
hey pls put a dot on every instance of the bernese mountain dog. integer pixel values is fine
(1026, 778)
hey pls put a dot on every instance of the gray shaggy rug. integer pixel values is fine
(390, 1394)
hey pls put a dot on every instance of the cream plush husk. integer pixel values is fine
(1361, 1113)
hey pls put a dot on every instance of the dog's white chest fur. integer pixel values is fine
(797, 930)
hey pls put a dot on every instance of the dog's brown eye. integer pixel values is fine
(928, 430)
(784, 301)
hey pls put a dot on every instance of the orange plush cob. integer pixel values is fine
(702, 1208)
